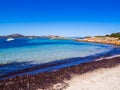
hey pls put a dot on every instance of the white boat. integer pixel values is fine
(10, 39)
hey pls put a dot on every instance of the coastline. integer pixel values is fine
(102, 40)
(47, 80)
(58, 79)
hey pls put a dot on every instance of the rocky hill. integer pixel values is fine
(31, 37)
(18, 36)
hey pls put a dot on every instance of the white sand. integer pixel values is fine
(101, 79)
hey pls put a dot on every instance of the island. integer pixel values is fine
(17, 35)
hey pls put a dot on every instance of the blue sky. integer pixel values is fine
(59, 17)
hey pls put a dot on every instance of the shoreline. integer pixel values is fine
(54, 65)
(102, 40)
(100, 79)
(47, 80)
(57, 78)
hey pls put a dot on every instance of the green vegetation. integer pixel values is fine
(88, 37)
(99, 36)
(116, 35)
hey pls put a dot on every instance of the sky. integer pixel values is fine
(60, 17)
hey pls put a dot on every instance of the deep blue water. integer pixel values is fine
(22, 54)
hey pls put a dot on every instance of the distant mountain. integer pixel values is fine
(15, 35)
(18, 36)
(55, 37)
(31, 37)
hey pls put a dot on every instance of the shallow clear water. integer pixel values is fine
(39, 51)
(45, 50)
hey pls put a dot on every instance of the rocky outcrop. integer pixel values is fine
(103, 39)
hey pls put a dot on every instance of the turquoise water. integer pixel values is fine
(46, 50)
(24, 53)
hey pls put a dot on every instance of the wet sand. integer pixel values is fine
(57, 79)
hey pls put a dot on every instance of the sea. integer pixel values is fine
(23, 56)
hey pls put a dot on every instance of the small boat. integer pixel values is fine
(10, 39)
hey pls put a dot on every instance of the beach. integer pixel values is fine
(52, 64)
(101, 79)
(65, 78)
(60, 45)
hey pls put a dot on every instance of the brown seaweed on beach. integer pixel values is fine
(46, 80)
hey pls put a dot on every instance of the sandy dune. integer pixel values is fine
(101, 79)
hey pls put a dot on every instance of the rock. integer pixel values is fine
(103, 39)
